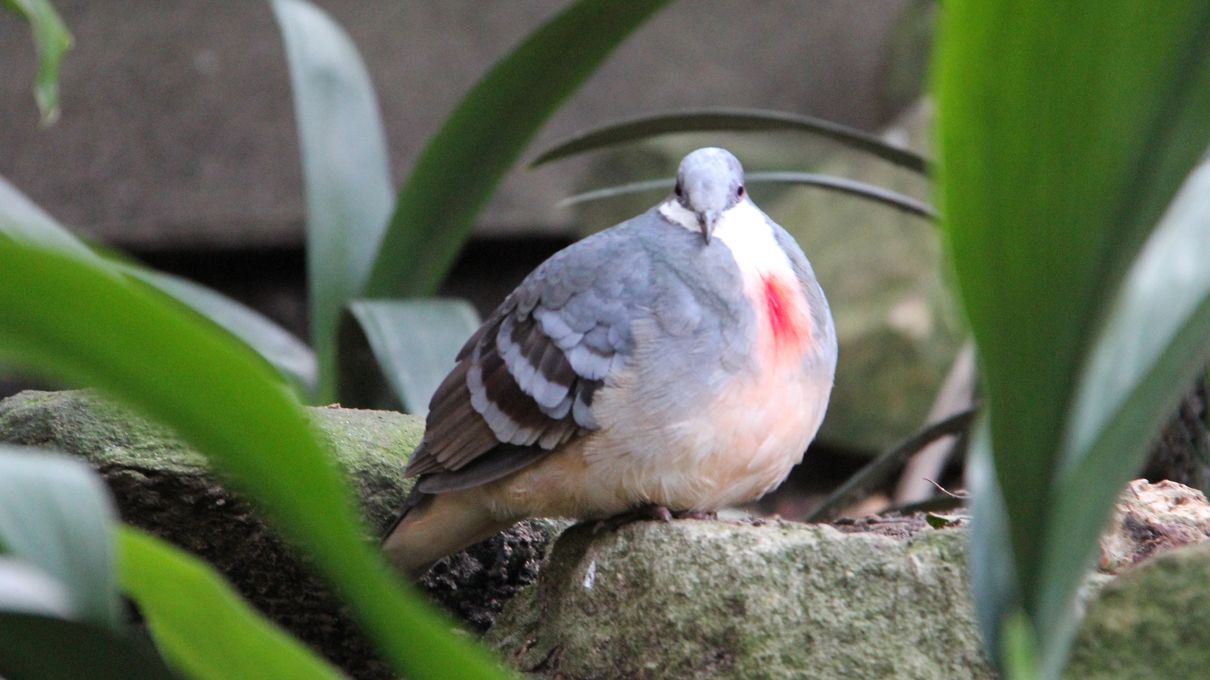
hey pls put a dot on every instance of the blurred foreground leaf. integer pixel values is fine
(55, 515)
(50, 648)
(201, 624)
(1065, 129)
(62, 317)
(25, 222)
(59, 600)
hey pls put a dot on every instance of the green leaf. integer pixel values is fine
(1056, 162)
(1020, 649)
(276, 345)
(50, 648)
(414, 343)
(482, 139)
(26, 589)
(346, 173)
(842, 185)
(55, 514)
(201, 624)
(1156, 339)
(52, 41)
(63, 317)
(727, 120)
(22, 220)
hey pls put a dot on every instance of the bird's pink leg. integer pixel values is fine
(695, 514)
(657, 513)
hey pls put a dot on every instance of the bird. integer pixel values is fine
(680, 362)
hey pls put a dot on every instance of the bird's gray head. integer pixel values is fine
(708, 182)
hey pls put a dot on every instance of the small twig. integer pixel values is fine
(960, 495)
(934, 504)
(879, 470)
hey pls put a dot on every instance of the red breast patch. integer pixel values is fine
(789, 324)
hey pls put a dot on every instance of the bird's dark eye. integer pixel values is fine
(678, 190)
(740, 191)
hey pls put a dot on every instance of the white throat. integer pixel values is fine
(745, 231)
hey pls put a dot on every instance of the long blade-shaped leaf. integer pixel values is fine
(413, 342)
(1157, 336)
(842, 185)
(55, 514)
(201, 624)
(51, 648)
(727, 120)
(62, 317)
(346, 174)
(276, 345)
(462, 164)
(26, 589)
(52, 41)
(1057, 159)
(23, 221)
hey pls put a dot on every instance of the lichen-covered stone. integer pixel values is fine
(1152, 518)
(1152, 621)
(692, 599)
(163, 486)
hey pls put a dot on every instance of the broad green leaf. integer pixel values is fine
(22, 220)
(414, 343)
(200, 624)
(63, 317)
(276, 345)
(462, 164)
(346, 174)
(26, 589)
(1064, 130)
(55, 514)
(1156, 339)
(727, 120)
(1020, 649)
(52, 41)
(51, 648)
(842, 185)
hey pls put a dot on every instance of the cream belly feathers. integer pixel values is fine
(683, 359)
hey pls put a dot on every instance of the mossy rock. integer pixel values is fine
(693, 599)
(1152, 621)
(162, 485)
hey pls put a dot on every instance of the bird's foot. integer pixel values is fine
(657, 513)
(695, 514)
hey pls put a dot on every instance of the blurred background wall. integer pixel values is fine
(177, 141)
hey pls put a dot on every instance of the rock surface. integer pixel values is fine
(727, 599)
(1153, 621)
(161, 485)
(1153, 518)
(694, 599)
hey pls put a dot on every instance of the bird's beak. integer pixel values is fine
(705, 222)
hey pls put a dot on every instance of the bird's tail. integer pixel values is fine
(433, 526)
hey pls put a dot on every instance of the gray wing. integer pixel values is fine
(524, 382)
